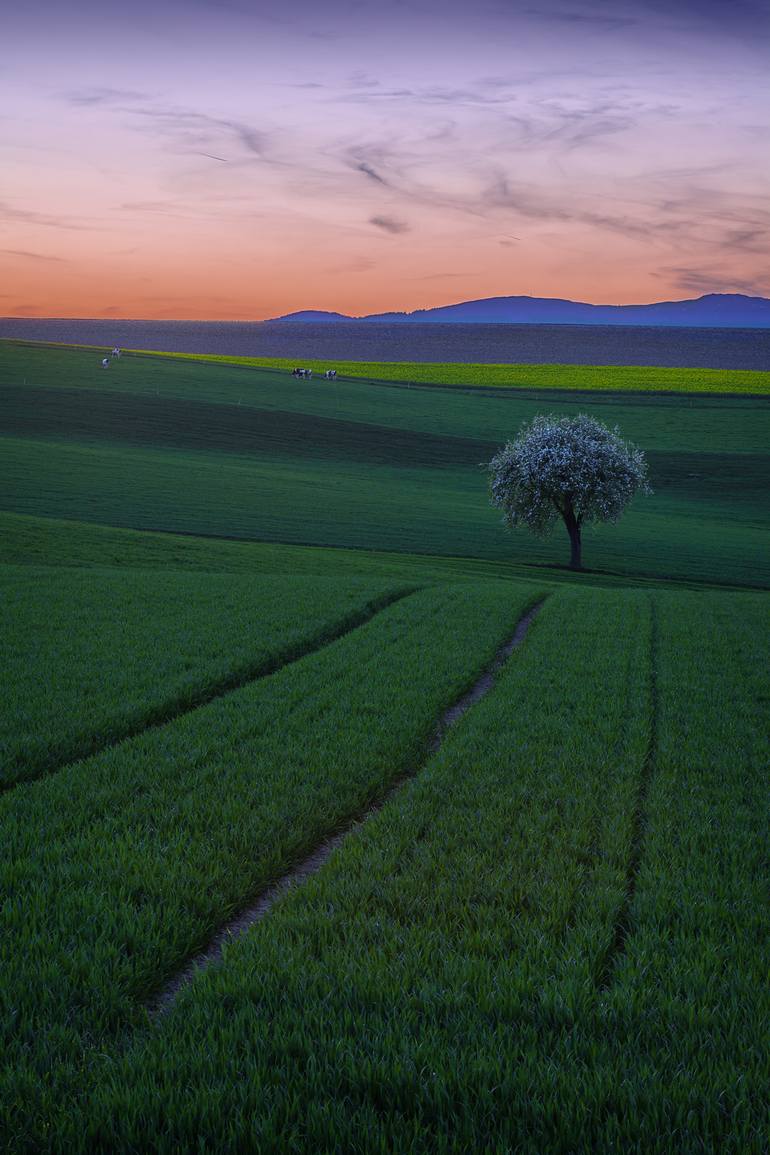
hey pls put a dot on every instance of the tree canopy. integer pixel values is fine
(573, 468)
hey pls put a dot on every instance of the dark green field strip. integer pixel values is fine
(694, 423)
(118, 868)
(368, 506)
(409, 998)
(86, 416)
(91, 416)
(739, 483)
(89, 662)
(31, 541)
(691, 1002)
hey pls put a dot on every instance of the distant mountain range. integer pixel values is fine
(731, 310)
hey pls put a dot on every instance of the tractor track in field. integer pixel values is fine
(623, 923)
(177, 708)
(211, 954)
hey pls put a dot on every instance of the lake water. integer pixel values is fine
(529, 344)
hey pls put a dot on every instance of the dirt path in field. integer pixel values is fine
(176, 708)
(212, 952)
(623, 926)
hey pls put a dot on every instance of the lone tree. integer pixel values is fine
(573, 468)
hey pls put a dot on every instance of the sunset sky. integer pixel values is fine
(187, 159)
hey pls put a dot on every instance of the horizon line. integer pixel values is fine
(384, 312)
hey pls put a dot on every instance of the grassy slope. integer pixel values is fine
(453, 982)
(33, 541)
(529, 837)
(661, 421)
(632, 378)
(152, 845)
(124, 649)
(613, 378)
(375, 507)
(689, 998)
(209, 449)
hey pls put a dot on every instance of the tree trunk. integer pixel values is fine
(573, 529)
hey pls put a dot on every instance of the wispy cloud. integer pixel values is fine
(162, 208)
(444, 276)
(434, 94)
(582, 16)
(192, 130)
(12, 215)
(534, 203)
(33, 256)
(705, 279)
(357, 265)
(742, 18)
(89, 97)
(361, 79)
(364, 167)
(368, 160)
(750, 239)
(186, 129)
(390, 224)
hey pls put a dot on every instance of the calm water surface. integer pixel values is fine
(529, 344)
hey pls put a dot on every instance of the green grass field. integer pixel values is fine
(235, 607)
(173, 829)
(211, 450)
(126, 649)
(585, 378)
(612, 378)
(454, 981)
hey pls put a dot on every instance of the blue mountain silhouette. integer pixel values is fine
(734, 310)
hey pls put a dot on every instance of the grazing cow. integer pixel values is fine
(105, 362)
(116, 352)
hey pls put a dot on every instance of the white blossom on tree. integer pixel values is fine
(573, 468)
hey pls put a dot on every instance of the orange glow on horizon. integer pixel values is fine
(234, 165)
